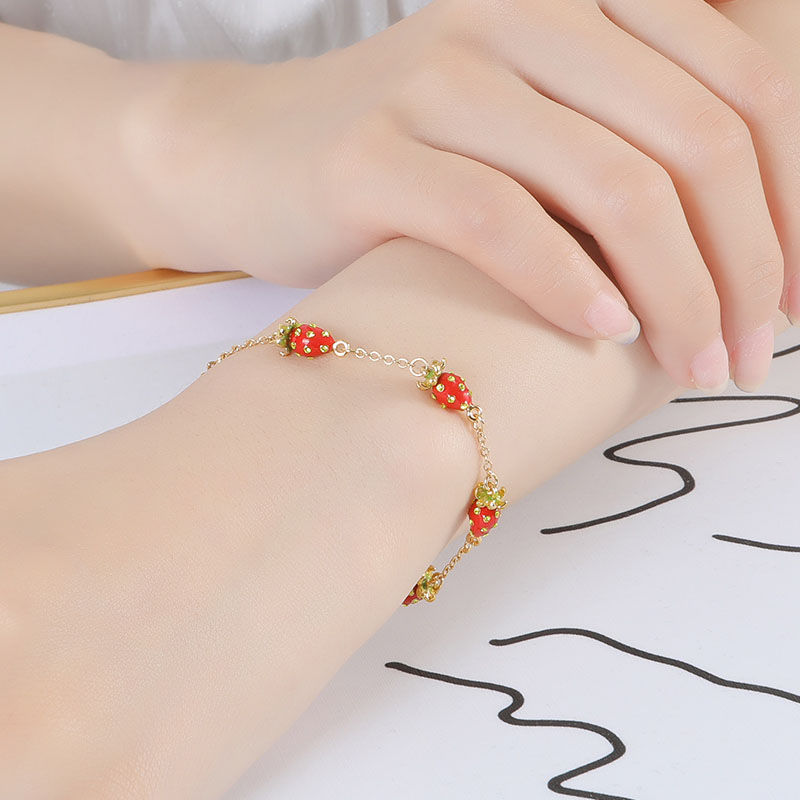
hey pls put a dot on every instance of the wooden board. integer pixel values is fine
(63, 294)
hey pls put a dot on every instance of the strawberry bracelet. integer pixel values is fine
(446, 388)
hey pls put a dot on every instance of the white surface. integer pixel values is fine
(71, 372)
(656, 581)
(253, 30)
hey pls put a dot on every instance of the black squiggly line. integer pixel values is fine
(654, 657)
(686, 477)
(787, 351)
(556, 783)
(783, 548)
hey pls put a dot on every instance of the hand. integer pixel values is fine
(660, 128)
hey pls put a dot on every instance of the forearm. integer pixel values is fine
(221, 557)
(198, 575)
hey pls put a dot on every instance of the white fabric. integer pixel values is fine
(252, 30)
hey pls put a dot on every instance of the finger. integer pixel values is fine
(742, 73)
(491, 221)
(587, 175)
(617, 80)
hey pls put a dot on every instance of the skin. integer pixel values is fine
(662, 129)
(195, 577)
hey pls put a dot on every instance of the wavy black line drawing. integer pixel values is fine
(781, 548)
(787, 351)
(506, 714)
(687, 479)
(648, 656)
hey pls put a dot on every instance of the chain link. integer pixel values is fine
(471, 541)
(416, 366)
(243, 346)
(483, 448)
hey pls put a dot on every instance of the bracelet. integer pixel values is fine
(448, 389)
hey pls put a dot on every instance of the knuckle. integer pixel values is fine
(765, 87)
(487, 216)
(763, 280)
(471, 23)
(501, 223)
(552, 267)
(701, 303)
(639, 190)
(442, 73)
(715, 135)
(361, 147)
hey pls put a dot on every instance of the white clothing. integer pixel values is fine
(251, 30)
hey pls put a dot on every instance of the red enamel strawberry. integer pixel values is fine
(481, 519)
(452, 392)
(426, 587)
(411, 597)
(310, 341)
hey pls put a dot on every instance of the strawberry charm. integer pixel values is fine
(490, 496)
(284, 334)
(482, 520)
(309, 340)
(451, 392)
(425, 588)
(484, 511)
(431, 375)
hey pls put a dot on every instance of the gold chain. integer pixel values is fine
(416, 366)
(243, 346)
(488, 495)
(475, 415)
(472, 541)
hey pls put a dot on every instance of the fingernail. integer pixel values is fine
(709, 368)
(752, 357)
(793, 301)
(611, 319)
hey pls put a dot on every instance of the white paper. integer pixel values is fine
(654, 637)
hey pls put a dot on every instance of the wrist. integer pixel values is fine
(103, 128)
(148, 137)
(61, 162)
(204, 142)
